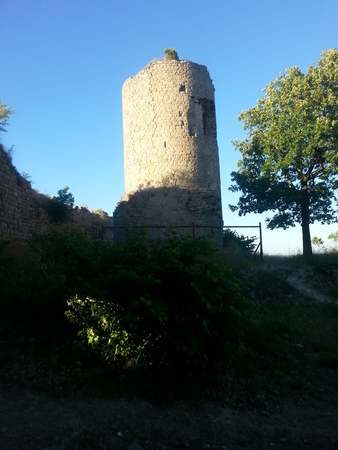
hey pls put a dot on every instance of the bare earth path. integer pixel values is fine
(33, 420)
(302, 279)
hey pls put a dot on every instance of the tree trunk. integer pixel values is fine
(307, 246)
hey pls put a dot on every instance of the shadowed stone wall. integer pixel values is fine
(20, 214)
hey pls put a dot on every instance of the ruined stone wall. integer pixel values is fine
(20, 214)
(171, 156)
(23, 210)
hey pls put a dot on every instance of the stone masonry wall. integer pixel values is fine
(169, 128)
(171, 157)
(191, 212)
(20, 214)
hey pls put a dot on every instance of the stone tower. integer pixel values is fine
(171, 158)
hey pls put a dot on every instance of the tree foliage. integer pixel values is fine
(65, 197)
(5, 112)
(289, 160)
(60, 207)
(171, 53)
(245, 243)
(333, 236)
(319, 243)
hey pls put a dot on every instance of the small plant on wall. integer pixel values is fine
(171, 53)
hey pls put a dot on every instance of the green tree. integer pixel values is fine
(318, 242)
(334, 236)
(289, 160)
(5, 112)
(60, 207)
(65, 198)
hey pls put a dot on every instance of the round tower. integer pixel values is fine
(170, 147)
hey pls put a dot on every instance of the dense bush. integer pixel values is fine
(38, 276)
(155, 303)
(58, 208)
(31, 297)
(233, 239)
(163, 304)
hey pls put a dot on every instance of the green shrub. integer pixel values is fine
(37, 277)
(171, 53)
(162, 304)
(56, 211)
(76, 262)
(58, 208)
(233, 239)
(31, 297)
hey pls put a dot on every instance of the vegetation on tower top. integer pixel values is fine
(171, 53)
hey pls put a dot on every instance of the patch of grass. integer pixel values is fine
(292, 339)
(277, 260)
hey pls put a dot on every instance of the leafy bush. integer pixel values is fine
(31, 297)
(162, 304)
(37, 277)
(171, 53)
(60, 207)
(56, 211)
(76, 262)
(233, 239)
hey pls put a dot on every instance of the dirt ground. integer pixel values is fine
(48, 405)
(34, 420)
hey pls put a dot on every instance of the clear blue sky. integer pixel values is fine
(63, 64)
